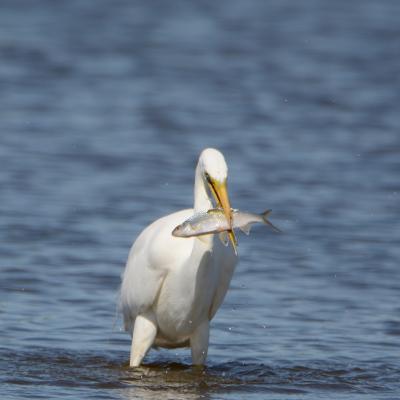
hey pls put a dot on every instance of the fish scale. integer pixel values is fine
(214, 221)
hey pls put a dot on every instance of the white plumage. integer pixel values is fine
(172, 287)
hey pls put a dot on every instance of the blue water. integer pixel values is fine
(104, 108)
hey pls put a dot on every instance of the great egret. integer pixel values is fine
(172, 287)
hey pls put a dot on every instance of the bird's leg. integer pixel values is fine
(199, 343)
(144, 333)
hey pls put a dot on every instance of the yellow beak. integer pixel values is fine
(220, 193)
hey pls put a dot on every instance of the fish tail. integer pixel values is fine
(264, 216)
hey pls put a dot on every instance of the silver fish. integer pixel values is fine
(214, 221)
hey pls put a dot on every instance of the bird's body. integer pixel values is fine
(172, 287)
(188, 287)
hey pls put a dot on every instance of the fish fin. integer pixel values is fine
(264, 216)
(246, 228)
(175, 231)
(219, 210)
(223, 237)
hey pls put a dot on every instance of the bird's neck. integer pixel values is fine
(202, 201)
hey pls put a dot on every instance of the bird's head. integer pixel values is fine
(214, 172)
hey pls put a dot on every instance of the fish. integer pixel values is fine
(214, 221)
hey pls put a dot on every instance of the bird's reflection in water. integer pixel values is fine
(172, 381)
(148, 394)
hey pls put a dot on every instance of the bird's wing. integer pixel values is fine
(153, 255)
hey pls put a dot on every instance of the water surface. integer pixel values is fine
(104, 109)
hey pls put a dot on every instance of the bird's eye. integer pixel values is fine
(207, 177)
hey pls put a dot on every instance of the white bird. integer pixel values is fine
(172, 287)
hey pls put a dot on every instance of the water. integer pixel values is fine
(104, 108)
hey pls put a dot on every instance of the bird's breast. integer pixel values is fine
(187, 293)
